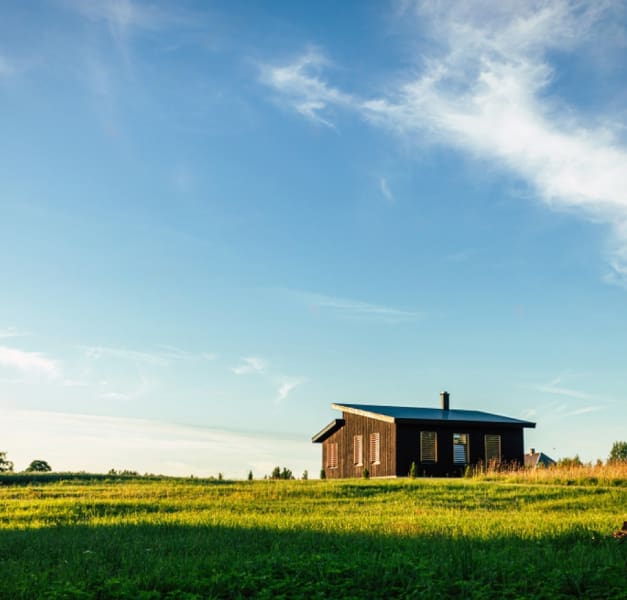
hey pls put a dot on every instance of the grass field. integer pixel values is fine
(184, 539)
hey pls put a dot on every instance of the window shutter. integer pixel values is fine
(358, 450)
(375, 448)
(428, 447)
(492, 449)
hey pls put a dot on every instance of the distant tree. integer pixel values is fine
(220, 477)
(38, 466)
(6, 466)
(305, 476)
(276, 473)
(323, 474)
(250, 475)
(618, 453)
(286, 474)
(575, 461)
(413, 471)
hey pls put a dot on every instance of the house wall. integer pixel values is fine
(358, 425)
(408, 447)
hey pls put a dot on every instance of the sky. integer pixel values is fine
(219, 218)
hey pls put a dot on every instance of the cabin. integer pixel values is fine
(386, 440)
(535, 460)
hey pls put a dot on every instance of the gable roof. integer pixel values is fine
(396, 414)
(537, 459)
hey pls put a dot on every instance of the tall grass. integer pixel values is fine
(602, 474)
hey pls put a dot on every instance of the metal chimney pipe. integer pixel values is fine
(444, 403)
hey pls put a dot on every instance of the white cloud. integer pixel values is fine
(28, 362)
(287, 385)
(10, 332)
(6, 67)
(147, 446)
(347, 307)
(385, 190)
(302, 89)
(251, 364)
(163, 357)
(484, 89)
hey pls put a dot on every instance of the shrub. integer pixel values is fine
(365, 474)
(323, 474)
(413, 471)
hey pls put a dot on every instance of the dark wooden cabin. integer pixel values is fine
(441, 441)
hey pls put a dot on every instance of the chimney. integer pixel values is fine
(444, 400)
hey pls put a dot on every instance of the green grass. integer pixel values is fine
(288, 539)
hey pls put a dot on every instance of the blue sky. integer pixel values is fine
(216, 219)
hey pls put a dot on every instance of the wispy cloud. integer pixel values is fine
(350, 308)
(484, 89)
(250, 365)
(385, 190)
(147, 446)
(29, 362)
(301, 87)
(162, 357)
(6, 67)
(11, 332)
(255, 365)
(286, 385)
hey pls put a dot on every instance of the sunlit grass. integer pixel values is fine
(203, 539)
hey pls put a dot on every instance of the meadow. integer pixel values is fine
(190, 538)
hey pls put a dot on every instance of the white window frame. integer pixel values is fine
(461, 440)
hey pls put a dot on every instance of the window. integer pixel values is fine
(460, 448)
(375, 448)
(492, 449)
(428, 447)
(332, 455)
(358, 450)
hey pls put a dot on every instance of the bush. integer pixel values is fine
(365, 474)
(413, 471)
(323, 474)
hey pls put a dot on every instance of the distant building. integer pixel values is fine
(442, 442)
(538, 459)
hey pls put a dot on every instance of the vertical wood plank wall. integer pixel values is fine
(364, 426)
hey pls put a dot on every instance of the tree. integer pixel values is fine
(575, 461)
(323, 474)
(305, 476)
(38, 466)
(618, 453)
(276, 473)
(6, 466)
(250, 475)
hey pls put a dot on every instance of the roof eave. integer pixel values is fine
(330, 429)
(363, 413)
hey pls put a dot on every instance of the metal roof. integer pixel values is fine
(412, 413)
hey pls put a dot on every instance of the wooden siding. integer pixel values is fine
(408, 447)
(364, 426)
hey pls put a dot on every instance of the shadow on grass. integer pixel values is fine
(186, 562)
